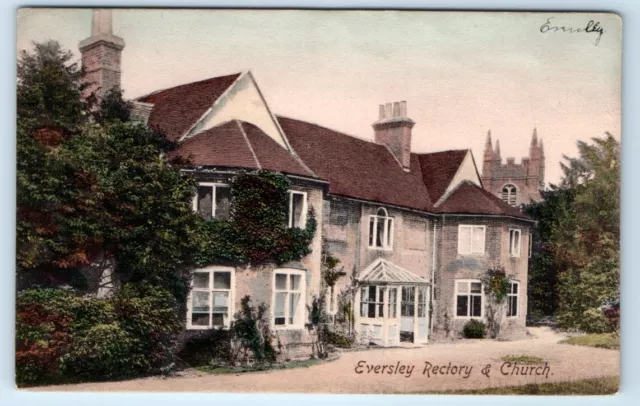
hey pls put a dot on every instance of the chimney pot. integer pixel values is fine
(396, 109)
(387, 110)
(393, 129)
(403, 108)
(381, 112)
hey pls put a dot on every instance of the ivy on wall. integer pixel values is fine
(257, 229)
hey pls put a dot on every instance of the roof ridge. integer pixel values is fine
(186, 84)
(246, 139)
(327, 128)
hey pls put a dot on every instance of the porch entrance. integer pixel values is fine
(392, 305)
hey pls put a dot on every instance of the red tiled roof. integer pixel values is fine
(469, 198)
(438, 170)
(226, 145)
(176, 109)
(357, 168)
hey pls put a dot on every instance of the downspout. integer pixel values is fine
(433, 272)
(356, 265)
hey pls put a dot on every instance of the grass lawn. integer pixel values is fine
(217, 370)
(609, 341)
(523, 359)
(600, 386)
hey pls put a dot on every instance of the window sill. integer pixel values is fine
(380, 249)
(198, 328)
(289, 327)
(514, 256)
(468, 317)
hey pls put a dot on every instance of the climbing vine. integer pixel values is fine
(257, 229)
(496, 284)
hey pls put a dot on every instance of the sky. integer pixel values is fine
(461, 73)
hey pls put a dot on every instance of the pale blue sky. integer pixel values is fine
(460, 73)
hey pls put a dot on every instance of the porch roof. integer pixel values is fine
(382, 271)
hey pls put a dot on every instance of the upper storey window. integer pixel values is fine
(471, 239)
(509, 195)
(381, 230)
(297, 209)
(213, 201)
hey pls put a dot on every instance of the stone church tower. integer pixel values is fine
(515, 184)
(101, 55)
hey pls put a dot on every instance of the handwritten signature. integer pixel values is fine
(591, 27)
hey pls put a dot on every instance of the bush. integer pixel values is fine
(474, 329)
(211, 347)
(337, 339)
(64, 338)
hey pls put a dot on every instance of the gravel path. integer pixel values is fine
(433, 367)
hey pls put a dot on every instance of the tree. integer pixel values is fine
(98, 185)
(586, 236)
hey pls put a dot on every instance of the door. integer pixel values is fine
(422, 321)
(407, 313)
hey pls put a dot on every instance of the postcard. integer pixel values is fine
(318, 201)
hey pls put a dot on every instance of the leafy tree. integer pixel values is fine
(583, 226)
(94, 186)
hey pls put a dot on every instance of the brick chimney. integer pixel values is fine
(101, 55)
(393, 129)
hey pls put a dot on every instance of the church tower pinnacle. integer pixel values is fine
(101, 56)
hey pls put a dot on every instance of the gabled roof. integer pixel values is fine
(469, 198)
(357, 168)
(439, 169)
(382, 271)
(242, 145)
(177, 109)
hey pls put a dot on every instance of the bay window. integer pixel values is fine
(512, 299)
(514, 242)
(471, 239)
(469, 298)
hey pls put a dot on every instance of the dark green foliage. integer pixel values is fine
(100, 189)
(248, 341)
(583, 225)
(544, 267)
(496, 284)
(474, 329)
(257, 230)
(337, 339)
(211, 347)
(64, 338)
(251, 328)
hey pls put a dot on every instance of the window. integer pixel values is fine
(381, 230)
(371, 299)
(530, 243)
(210, 299)
(514, 242)
(422, 301)
(469, 298)
(408, 299)
(288, 300)
(393, 303)
(509, 195)
(213, 200)
(297, 209)
(471, 240)
(512, 299)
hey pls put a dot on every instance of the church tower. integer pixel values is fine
(101, 56)
(515, 184)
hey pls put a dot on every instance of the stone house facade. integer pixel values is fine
(415, 233)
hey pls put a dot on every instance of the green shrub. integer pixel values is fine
(211, 347)
(337, 339)
(64, 338)
(474, 329)
(104, 351)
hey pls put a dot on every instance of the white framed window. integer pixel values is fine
(512, 299)
(210, 302)
(331, 300)
(392, 312)
(407, 302)
(469, 297)
(297, 209)
(471, 239)
(371, 301)
(289, 289)
(514, 242)
(212, 200)
(509, 195)
(381, 230)
(530, 244)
